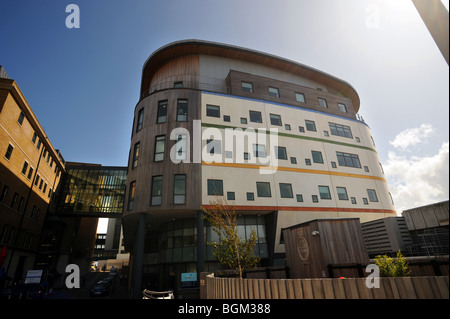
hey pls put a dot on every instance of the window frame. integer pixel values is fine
(339, 193)
(157, 180)
(158, 139)
(273, 91)
(372, 195)
(302, 95)
(321, 193)
(255, 113)
(162, 118)
(210, 110)
(286, 186)
(271, 115)
(211, 183)
(179, 107)
(317, 153)
(248, 89)
(321, 99)
(344, 159)
(308, 124)
(181, 178)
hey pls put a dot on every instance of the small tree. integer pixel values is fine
(231, 251)
(390, 268)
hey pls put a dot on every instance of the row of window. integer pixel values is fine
(299, 97)
(34, 138)
(179, 191)
(6, 237)
(215, 187)
(275, 119)
(27, 171)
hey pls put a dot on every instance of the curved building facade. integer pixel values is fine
(279, 140)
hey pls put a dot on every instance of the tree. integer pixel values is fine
(231, 251)
(390, 268)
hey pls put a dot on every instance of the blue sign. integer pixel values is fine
(189, 280)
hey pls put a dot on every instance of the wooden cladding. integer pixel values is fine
(146, 166)
(263, 89)
(312, 246)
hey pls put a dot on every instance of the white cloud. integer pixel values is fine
(412, 136)
(416, 181)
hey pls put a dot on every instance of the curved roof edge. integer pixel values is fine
(194, 46)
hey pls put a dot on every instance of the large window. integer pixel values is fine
(213, 110)
(346, 159)
(259, 150)
(280, 152)
(274, 92)
(372, 195)
(140, 120)
(255, 116)
(179, 189)
(215, 187)
(340, 130)
(135, 154)
(160, 142)
(162, 112)
(247, 87)
(322, 102)
(182, 110)
(156, 197)
(275, 119)
(317, 157)
(310, 126)
(131, 195)
(342, 193)
(263, 189)
(286, 190)
(324, 192)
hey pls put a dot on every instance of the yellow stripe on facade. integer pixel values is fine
(292, 169)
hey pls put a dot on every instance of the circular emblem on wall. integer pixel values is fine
(302, 248)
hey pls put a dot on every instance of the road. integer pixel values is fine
(119, 289)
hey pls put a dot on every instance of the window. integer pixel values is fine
(275, 119)
(263, 189)
(342, 107)
(30, 173)
(182, 110)
(259, 150)
(365, 201)
(286, 190)
(255, 117)
(4, 193)
(178, 84)
(299, 198)
(317, 157)
(247, 87)
(135, 154)
(214, 146)
(226, 118)
(301, 129)
(33, 139)
(9, 151)
(340, 130)
(179, 189)
(324, 192)
(322, 102)
(325, 133)
(366, 168)
(280, 152)
(342, 193)
(38, 146)
(181, 147)
(333, 165)
(300, 97)
(160, 142)
(250, 196)
(357, 139)
(156, 194)
(346, 159)
(372, 195)
(307, 161)
(274, 92)
(230, 196)
(20, 119)
(213, 110)
(131, 195)
(246, 156)
(140, 120)
(293, 160)
(243, 120)
(310, 125)
(314, 198)
(162, 112)
(215, 187)
(287, 127)
(353, 199)
(24, 168)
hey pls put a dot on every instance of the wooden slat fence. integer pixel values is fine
(430, 287)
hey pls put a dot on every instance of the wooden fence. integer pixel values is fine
(430, 287)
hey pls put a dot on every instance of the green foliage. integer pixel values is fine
(231, 251)
(392, 268)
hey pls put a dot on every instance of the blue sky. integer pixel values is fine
(83, 84)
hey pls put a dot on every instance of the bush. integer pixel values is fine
(392, 268)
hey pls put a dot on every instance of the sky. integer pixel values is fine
(83, 83)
